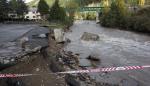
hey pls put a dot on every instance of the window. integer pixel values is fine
(27, 17)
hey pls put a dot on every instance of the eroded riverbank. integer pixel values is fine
(115, 48)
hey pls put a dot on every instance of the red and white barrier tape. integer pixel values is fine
(81, 71)
(14, 75)
(107, 69)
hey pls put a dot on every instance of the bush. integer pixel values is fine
(144, 11)
(91, 16)
(115, 17)
(140, 21)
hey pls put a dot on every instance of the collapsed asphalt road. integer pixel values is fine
(34, 63)
(11, 32)
(115, 48)
(11, 36)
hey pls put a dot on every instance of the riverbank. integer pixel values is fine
(131, 21)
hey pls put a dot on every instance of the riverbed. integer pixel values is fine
(115, 48)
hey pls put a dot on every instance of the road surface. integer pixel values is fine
(11, 32)
(10, 35)
(115, 48)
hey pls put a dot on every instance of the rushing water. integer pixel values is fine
(115, 48)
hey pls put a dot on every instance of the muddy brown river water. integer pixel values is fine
(115, 48)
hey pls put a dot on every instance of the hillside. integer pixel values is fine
(49, 2)
(62, 2)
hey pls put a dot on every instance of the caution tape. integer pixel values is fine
(111, 69)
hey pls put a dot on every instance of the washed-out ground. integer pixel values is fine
(115, 48)
(36, 65)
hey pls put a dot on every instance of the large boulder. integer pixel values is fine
(90, 37)
(59, 35)
(72, 80)
(84, 63)
(93, 57)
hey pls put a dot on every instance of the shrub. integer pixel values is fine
(116, 17)
(140, 21)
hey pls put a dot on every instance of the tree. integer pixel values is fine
(12, 6)
(71, 7)
(57, 13)
(43, 7)
(3, 9)
(106, 4)
(116, 15)
(141, 3)
(18, 6)
(22, 8)
(133, 3)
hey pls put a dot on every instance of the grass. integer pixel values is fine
(53, 25)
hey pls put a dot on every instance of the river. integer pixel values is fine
(115, 48)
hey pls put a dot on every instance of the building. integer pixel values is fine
(33, 14)
(13, 15)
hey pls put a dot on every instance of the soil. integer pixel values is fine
(37, 65)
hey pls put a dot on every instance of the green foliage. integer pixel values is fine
(3, 9)
(144, 12)
(17, 6)
(115, 17)
(133, 2)
(58, 14)
(140, 21)
(90, 16)
(21, 7)
(86, 2)
(118, 16)
(43, 7)
(72, 4)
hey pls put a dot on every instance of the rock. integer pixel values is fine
(90, 37)
(126, 82)
(55, 65)
(105, 84)
(93, 57)
(68, 40)
(84, 63)
(42, 35)
(59, 36)
(37, 48)
(24, 39)
(12, 60)
(72, 80)
(14, 82)
(37, 69)
(5, 61)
